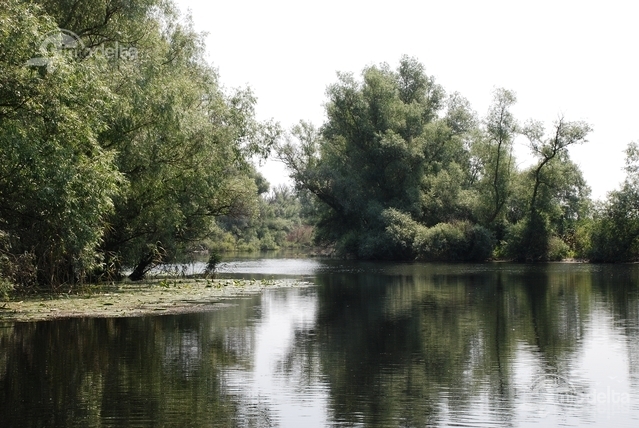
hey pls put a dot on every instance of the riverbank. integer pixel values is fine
(154, 297)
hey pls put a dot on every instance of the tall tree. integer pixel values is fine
(126, 157)
(496, 151)
(386, 161)
(549, 151)
(615, 236)
(57, 183)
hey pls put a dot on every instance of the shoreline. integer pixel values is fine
(153, 297)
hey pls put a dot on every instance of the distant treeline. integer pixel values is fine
(281, 221)
(120, 149)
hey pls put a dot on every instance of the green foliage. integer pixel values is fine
(57, 183)
(279, 222)
(492, 152)
(401, 231)
(444, 197)
(184, 144)
(534, 241)
(443, 241)
(15, 269)
(481, 243)
(5, 288)
(109, 162)
(557, 249)
(615, 234)
(383, 151)
(211, 264)
(6, 285)
(581, 239)
(396, 176)
(459, 241)
(528, 239)
(558, 190)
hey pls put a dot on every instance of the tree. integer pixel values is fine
(279, 223)
(111, 162)
(185, 158)
(370, 154)
(57, 183)
(530, 240)
(387, 161)
(616, 228)
(494, 151)
(183, 144)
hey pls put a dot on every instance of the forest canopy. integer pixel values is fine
(120, 148)
(403, 170)
(111, 161)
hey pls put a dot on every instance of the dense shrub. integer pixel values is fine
(557, 249)
(5, 288)
(400, 231)
(374, 245)
(459, 241)
(483, 244)
(528, 240)
(443, 241)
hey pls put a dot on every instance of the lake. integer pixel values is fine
(369, 344)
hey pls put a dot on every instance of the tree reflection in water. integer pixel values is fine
(381, 345)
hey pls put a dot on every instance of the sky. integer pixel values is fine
(575, 59)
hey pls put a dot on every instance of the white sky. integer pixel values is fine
(575, 58)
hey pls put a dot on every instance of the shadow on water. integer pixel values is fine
(118, 372)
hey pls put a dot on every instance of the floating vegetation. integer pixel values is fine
(167, 296)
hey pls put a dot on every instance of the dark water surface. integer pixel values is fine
(371, 344)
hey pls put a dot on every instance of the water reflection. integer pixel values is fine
(119, 372)
(371, 345)
(284, 382)
(427, 345)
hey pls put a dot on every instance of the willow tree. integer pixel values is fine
(185, 146)
(493, 149)
(615, 232)
(57, 183)
(388, 155)
(114, 161)
(553, 184)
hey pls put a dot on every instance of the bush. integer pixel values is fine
(268, 243)
(5, 288)
(512, 246)
(557, 249)
(458, 241)
(582, 239)
(348, 244)
(528, 240)
(401, 231)
(404, 238)
(221, 241)
(300, 236)
(211, 265)
(375, 245)
(483, 244)
(18, 271)
(440, 242)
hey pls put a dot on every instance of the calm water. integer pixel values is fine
(368, 345)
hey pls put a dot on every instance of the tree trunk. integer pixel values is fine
(143, 266)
